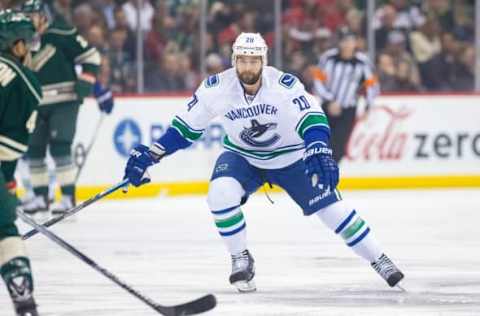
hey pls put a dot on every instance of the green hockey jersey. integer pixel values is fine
(61, 49)
(20, 93)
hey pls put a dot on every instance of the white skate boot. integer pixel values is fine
(387, 270)
(243, 271)
(59, 208)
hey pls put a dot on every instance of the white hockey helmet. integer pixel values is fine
(249, 44)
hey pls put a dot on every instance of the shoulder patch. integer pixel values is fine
(6, 74)
(212, 81)
(28, 79)
(287, 80)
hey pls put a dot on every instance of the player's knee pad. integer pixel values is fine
(224, 192)
(10, 248)
(344, 221)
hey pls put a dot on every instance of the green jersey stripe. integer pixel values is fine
(185, 131)
(311, 120)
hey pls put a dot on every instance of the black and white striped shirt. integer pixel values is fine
(341, 80)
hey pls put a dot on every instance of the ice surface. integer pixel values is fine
(168, 249)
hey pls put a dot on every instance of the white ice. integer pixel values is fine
(168, 249)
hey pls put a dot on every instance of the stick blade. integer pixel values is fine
(197, 306)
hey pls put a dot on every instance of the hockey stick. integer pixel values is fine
(77, 208)
(86, 152)
(197, 306)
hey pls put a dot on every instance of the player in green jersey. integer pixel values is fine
(60, 50)
(20, 93)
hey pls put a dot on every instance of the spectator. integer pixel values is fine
(107, 8)
(425, 44)
(408, 16)
(387, 24)
(214, 64)
(185, 71)
(146, 14)
(121, 22)
(439, 72)
(83, 18)
(464, 73)
(406, 69)
(387, 73)
(157, 37)
(164, 75)
(96, 37)
(121, 74)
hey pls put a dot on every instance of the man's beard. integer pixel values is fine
(249, 77)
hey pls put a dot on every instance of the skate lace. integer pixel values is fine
(384, 266)
(240, 262)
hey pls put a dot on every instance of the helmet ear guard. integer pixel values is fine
(249, 44)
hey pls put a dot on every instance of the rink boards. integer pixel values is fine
(403, 142)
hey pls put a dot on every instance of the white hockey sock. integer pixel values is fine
(224, 198)
(352, 228)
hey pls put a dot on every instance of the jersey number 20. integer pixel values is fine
(302, 103)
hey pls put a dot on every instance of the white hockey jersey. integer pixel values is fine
(268, 131)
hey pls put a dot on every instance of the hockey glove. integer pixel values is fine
(84, 85)
(320, 166)
(104, 97)
(141, 157)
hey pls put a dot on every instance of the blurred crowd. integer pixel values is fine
(420, 45)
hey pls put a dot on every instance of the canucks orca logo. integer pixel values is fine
(251, 135)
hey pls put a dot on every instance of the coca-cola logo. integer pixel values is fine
(378, 135)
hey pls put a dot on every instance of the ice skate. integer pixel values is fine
(37, 207)
(26, 308)
(243, 271)
(19, 287)
(61, 207)
(387, 270)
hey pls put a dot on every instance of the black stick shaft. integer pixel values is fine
(62, 243)
(77, 208)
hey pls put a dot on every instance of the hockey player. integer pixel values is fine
(20, 93)
(60, 49)
(276, 132)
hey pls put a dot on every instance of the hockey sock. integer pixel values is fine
(232, 227)
(65, 171)
(346, 222)
(39, 176)
(224, 198)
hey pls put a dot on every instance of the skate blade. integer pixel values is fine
(245, 286)
(400, 288)
(41, 216)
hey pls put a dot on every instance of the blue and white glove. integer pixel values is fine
(320, 165)
(141, 157)
(104, 97)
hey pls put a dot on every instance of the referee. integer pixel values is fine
(341, 75)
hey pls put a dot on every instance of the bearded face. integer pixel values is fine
(249, 69)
